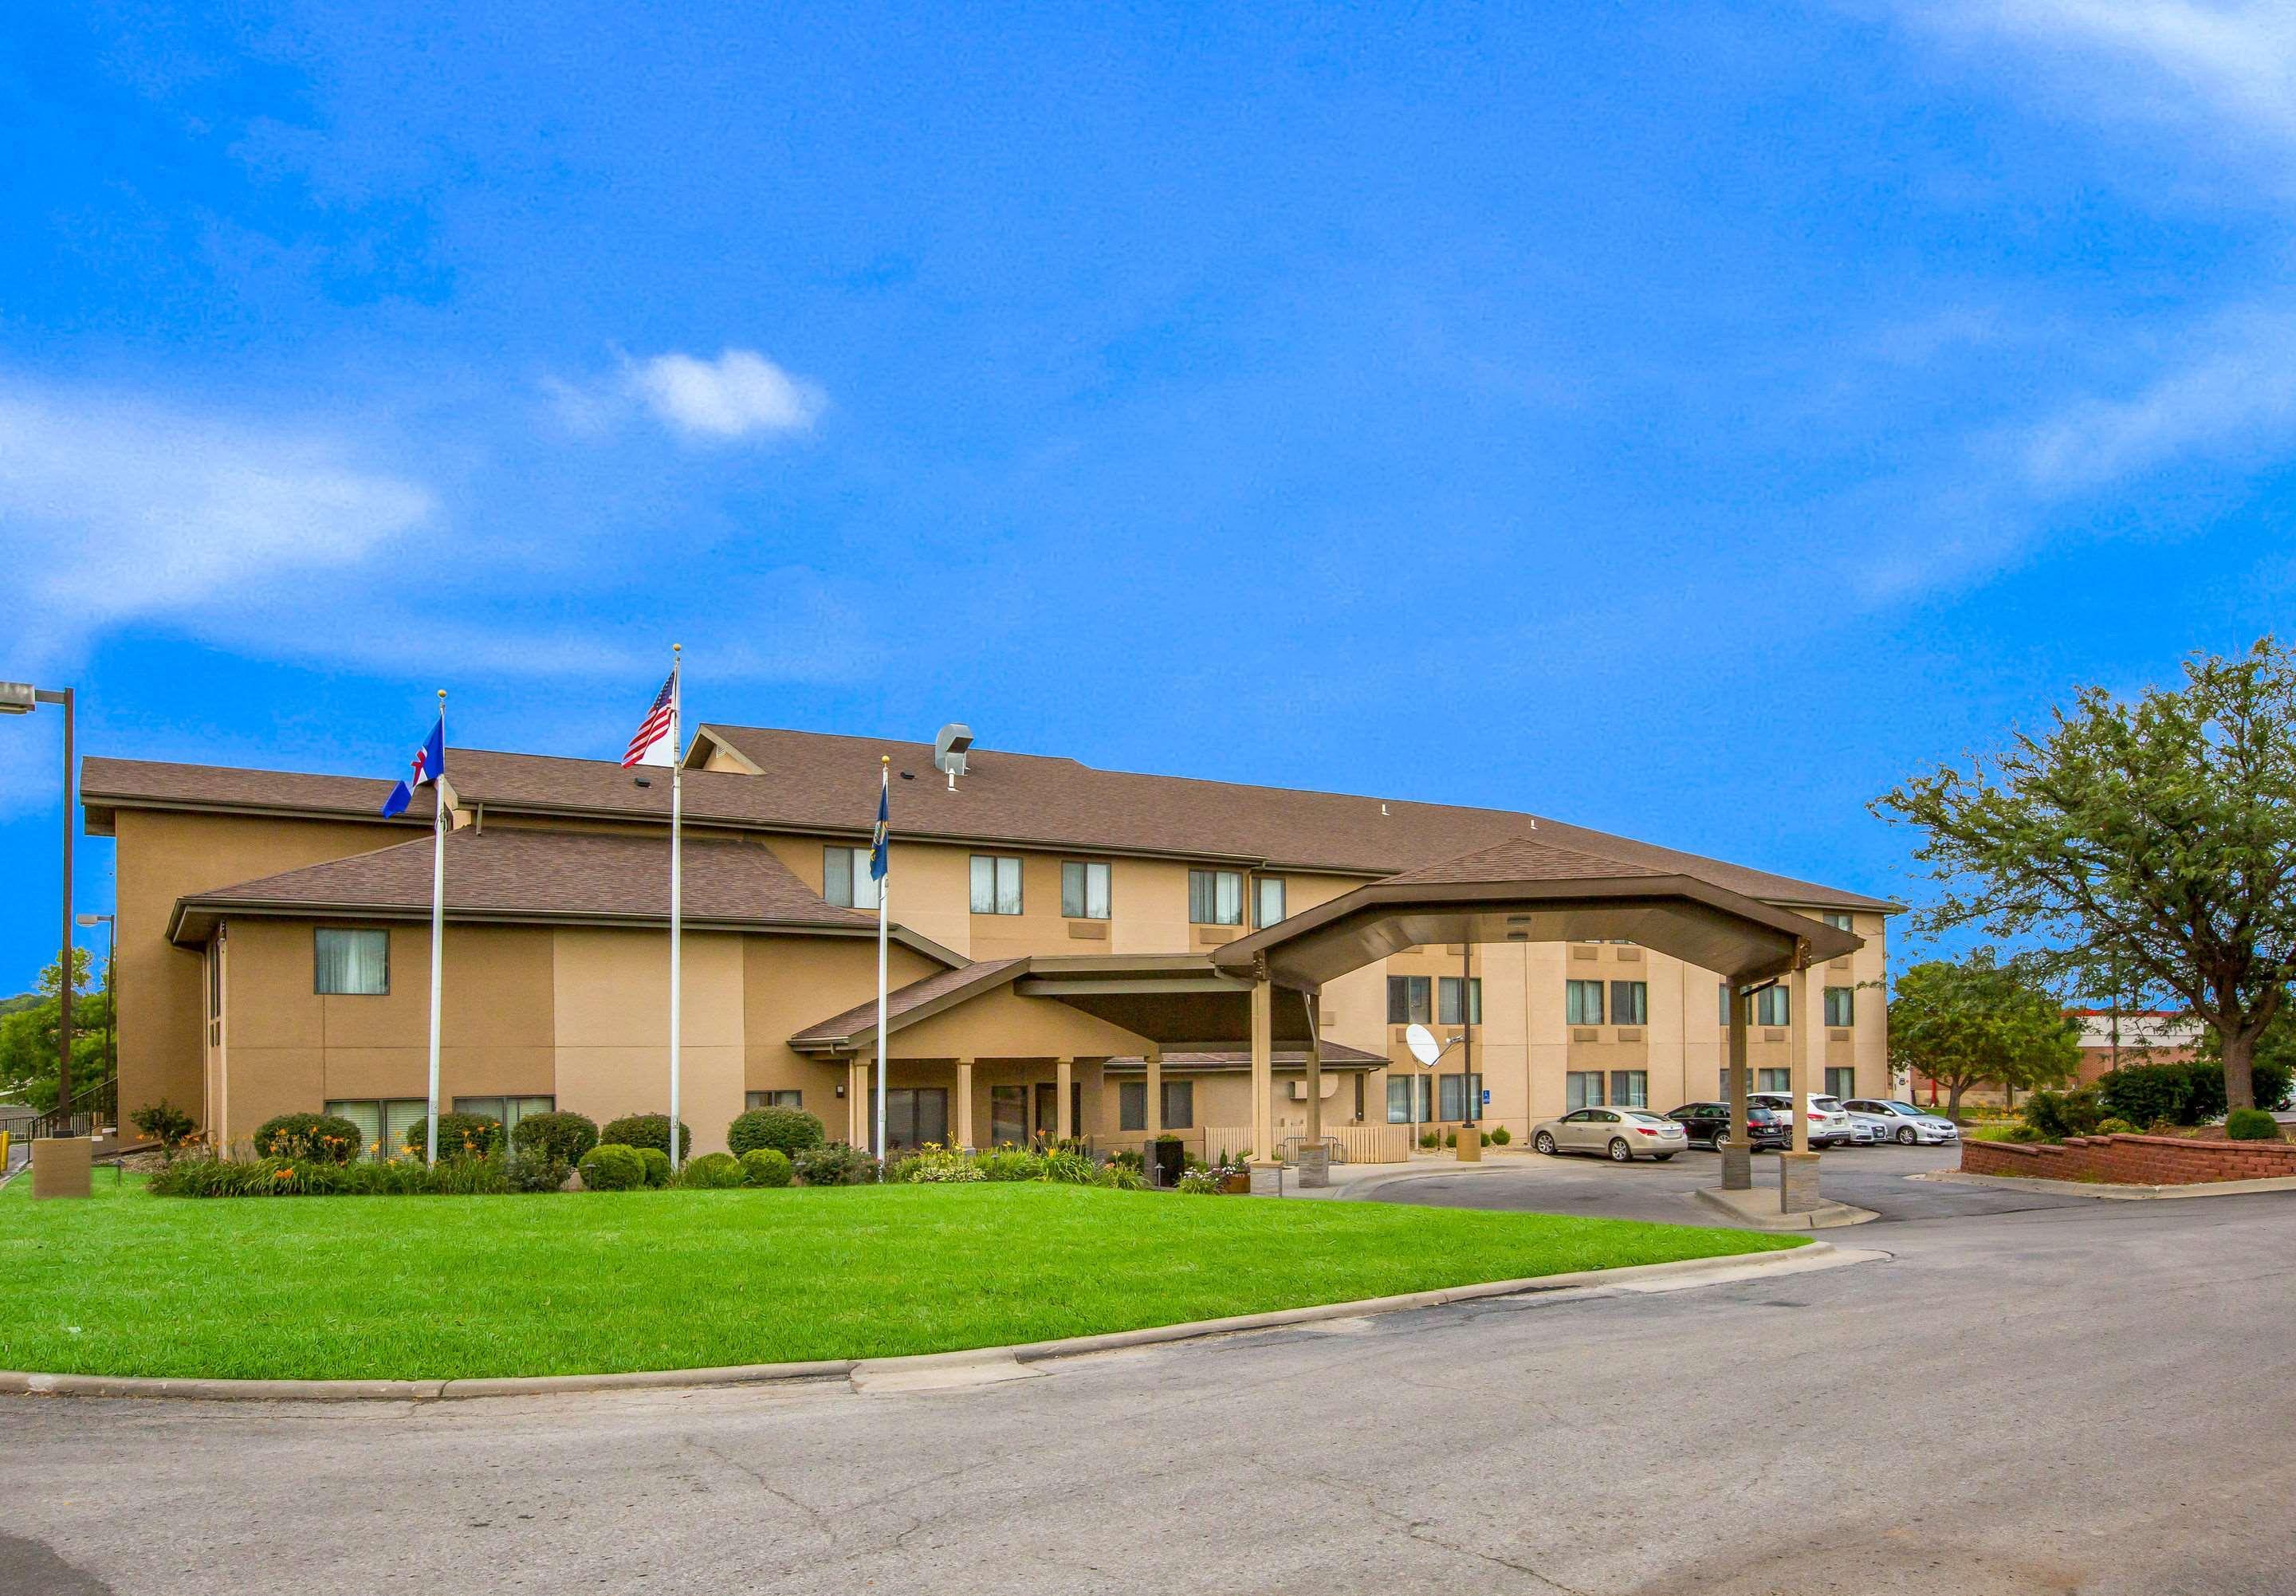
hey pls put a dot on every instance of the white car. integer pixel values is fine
(1903, 1122)
(1619, 1135)
(1829, 1124)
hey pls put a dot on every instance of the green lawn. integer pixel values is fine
(443, 1287)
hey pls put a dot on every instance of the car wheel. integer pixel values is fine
(1907, 1136)
(1621, 1153)
(1661, 1158)
(1721, 1141)
(1543, 1143)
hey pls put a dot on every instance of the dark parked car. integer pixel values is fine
(1708, 1125)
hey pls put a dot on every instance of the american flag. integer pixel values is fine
(653, 733)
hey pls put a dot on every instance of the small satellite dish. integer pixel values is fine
(1422, 1045)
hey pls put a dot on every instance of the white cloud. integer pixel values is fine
(2238, 59)
(735, 396)
(113, 509)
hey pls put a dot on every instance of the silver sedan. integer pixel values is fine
(1619, 1135)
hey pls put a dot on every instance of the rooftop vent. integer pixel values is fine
(949, 747)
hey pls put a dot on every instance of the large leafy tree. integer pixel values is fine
(2150, 841)
(1960, 1021)
(27, 1038)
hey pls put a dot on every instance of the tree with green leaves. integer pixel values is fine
(27, 1038)
(1960, 1022)
(2150, 839)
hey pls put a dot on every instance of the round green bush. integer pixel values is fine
(766, 1167)
(790, 1129)
(2252, 1125)
(1502, 1136)
(460, 1135)
(2114, 1128)
(315, 1138)
(658, 1172)
(554, 1138)
(712, 1171)
(645, 1130)
(835, 1165)
(611, 1167)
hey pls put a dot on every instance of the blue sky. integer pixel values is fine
(1683, 419)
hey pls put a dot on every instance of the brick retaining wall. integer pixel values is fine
(2132, 1160)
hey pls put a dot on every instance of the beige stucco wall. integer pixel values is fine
(611, 1019)
(791, 982)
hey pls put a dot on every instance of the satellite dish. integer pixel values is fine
(1422, 1045)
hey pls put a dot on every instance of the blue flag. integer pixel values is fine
(882, 838)
(429, 764)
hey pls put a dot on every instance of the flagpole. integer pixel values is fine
(885, 892)
(438, 922)
(676, 877)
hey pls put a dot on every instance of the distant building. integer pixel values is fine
(2110, 1040)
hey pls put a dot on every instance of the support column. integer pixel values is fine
(1315, 1163)
(1738, 1157)
(856, 1102)
(1154, 1058)
(1798, 1169)
(1063, 1093)
(1267, 1170)
(963, 1126)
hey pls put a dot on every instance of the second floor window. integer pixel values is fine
(1771, 1006)
(1266, 901)
(1630, 1003)
(1084, 890)
(1582, 1003)
(1841, 1005)
(1216, 897)
(351, 963)
(995, 884)
(1406, 1000)
(1838, 921)
(1446, 1000)
(845, 877)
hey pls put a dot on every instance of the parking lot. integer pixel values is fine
(1866, 1178)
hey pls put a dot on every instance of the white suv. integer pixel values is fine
(1829, 1122)
(1903, 1122)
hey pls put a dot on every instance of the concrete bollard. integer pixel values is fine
(1797, 1183)
(61, 1167)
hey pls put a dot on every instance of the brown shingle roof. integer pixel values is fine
(1337, 1055)
(820, 784)
(511, 874)
(1527, 859)
(942, 989)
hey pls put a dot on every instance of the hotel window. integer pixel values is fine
(1582, 1089)
(1406, 1000)
(1838, 921)
(1771, 1005)
(773, 1099)
(1008, 1116)
(383, 1124)
(505, 1111)
(1773, 1080)
(1629, 1089)
(1840, 1082)
(1722, 1002)
(1409, 1099)
(350, 964)
(1266, 901)
(995, 884)
(1179, 1105)
(1630, 1003)
(1084, 890)
(1582, 1003)
(1450, 1100)
(845, 877)
(1215, 897)
(1132, 1105)
(1446, 1000)
(1841, 1005)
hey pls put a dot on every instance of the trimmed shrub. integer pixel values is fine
(1428, 1139)
(321, 1177)
(2252, 1125)
(766, 1167)
(611, 1166)
(645, 1130)
(2270, 1083)
(460, 1135)
(535, 1173)
(559, 1138)
(2057, 1115)
(835, 1164)
(2113, 1128)
(317, 1138)
(712, 1171)
(788, 1130)
(165, 1124)
(1501, 1136)
(658, 1172)
(2190, 1093)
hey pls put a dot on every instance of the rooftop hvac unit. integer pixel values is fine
(949, 747)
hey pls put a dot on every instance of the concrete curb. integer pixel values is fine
(2103, 1193)
(1638, 1277)
(1828, 1215)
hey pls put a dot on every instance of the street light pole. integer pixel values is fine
(20, 698)
(110, 923)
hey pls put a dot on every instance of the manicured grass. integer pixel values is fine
(444, 1286)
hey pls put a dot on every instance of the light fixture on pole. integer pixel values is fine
(21, 698)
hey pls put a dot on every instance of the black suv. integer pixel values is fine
(1708, 1125)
